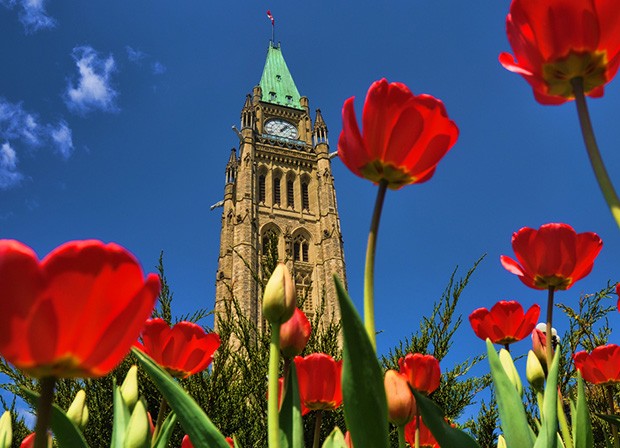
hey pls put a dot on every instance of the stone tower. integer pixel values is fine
(279, 200)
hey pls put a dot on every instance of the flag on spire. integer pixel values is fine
(273, 22)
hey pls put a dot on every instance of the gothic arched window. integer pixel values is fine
(269, 242)
(301, 249)
(303, 286)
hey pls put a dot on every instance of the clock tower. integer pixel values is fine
(279, 201)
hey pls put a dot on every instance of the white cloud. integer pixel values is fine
(22, 129)
(92, 90)
(31, 14)
(9, 176)
(135, 55)
(158, 68)
(63, 138)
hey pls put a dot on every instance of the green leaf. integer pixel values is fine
(613, 419)
(120, 419)
(548, 435)
(335, 440)
(195, 422)
(66, 432)
(582, 425)
(512, 414)
(365, 406)
(433, 418)
(163, 437)
(291, 423)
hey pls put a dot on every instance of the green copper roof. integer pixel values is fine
(277, 83)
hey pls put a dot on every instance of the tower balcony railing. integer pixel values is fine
(283, 141)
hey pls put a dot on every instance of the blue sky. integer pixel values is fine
(115, 123)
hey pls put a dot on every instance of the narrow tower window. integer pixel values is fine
(276, 190)
(261, 188)
(290, 193)
(305, 198)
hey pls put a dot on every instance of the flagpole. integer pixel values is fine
(273, 27)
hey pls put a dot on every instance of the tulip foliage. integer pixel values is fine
(69, 320)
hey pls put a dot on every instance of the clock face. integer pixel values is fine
(281, 128)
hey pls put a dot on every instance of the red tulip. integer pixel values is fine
(555, 41)
(405, 136)
(319, 378)
(186, 442)
(183, 350)
(421, 371)
(426, 437)
(554, 256)
(76, 313)
(304, 409)
(602, 366)
(294, 334)
(505, 323)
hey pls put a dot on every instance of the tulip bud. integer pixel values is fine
(347, 440)
(129, 388)
(400, 401)
(501, 442)
(539, 347)
(28, 441)
(280, 296)
(511, 371)
(539, 342)
(6, 430)
(534, 372)
(294, 334)
(78, 411)
(138, 433)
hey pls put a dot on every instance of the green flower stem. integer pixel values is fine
(369, 272)
(163, 407)
(402, 443)
(549, 332)
(317, 429)
(612, 411)
(540, 398)
(273, 426)
(44, 411)
(285, 369)
(417, 430)
(594, 154)
(564, 428)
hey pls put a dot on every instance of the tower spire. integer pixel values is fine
(276, 82)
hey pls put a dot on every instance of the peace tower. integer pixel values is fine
(279, 200)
